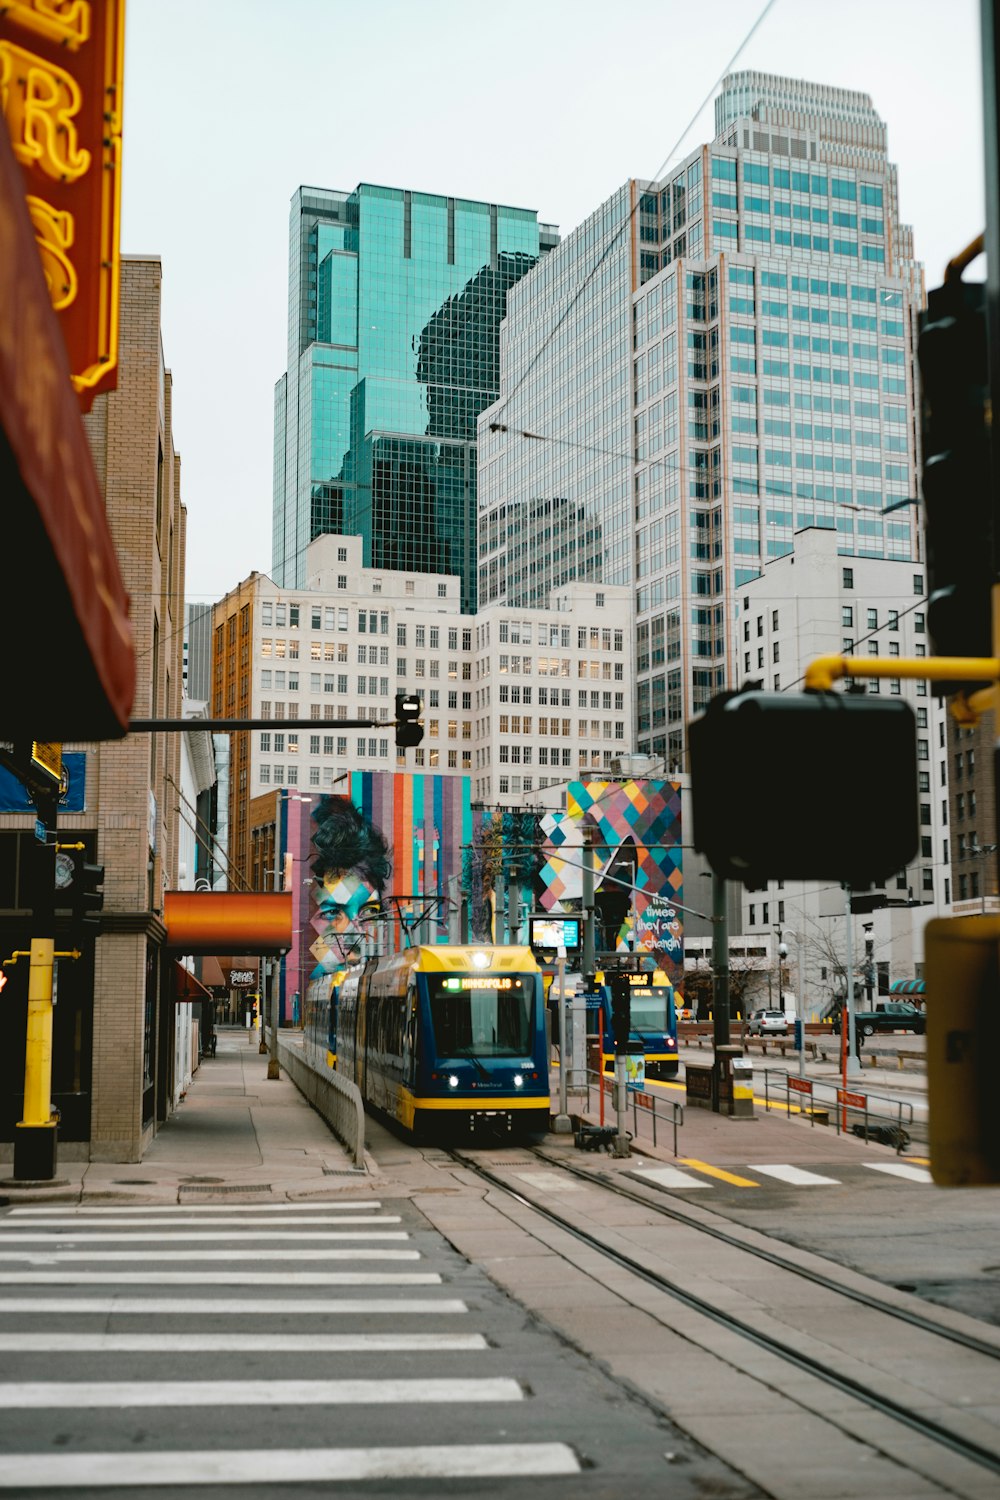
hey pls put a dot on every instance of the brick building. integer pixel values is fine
(113, 1047)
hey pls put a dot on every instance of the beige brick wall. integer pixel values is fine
(132, 441)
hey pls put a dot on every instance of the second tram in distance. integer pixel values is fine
(653, 1022)
(448, 1040)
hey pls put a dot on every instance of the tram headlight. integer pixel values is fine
(453, 1080)
(480, 960)
(518, 1080)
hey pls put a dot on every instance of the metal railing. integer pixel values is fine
(642, 1105)
(870, 1116)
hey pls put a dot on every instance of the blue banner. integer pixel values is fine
(14, 798)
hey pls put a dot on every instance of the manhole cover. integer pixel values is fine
(231, 1187)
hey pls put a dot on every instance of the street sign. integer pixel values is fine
(853, 1101)
(41, 831)
(801, 1085)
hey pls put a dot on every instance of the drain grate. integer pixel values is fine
(134, 1182)
(229, 1187)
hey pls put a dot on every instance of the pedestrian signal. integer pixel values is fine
(409, 731)
(786, 786)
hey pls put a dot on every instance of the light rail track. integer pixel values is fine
(916, 1421)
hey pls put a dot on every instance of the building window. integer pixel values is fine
(847, 617)
(848, 578)
(918, 583)
(442, 590)
(341, 580)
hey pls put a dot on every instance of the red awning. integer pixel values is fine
(69, 670)
(186, 987)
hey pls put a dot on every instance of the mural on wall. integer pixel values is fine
(500, 870)
(376, 869)
(635, 833)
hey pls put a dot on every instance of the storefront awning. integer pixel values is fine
(907, 987)
(218, 922)
(186, 987)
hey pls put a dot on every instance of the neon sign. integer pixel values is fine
(61, 72)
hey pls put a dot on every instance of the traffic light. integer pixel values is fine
(88, 898)
(956, 478)
(409, 731)
(805, 786)
(621, 1010)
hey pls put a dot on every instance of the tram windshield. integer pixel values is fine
(481, 1015)
(649, 1008)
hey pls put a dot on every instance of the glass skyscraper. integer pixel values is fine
(708, 364)
(394, 310)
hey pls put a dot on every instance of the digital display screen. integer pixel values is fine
(555, 932)
(481, 982)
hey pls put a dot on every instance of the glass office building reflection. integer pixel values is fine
(395, 304)
(706, 365)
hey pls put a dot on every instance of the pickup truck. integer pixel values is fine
(893, 1015)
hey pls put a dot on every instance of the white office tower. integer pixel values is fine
(705, 366)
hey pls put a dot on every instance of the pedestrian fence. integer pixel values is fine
(872, 1117)
(665, 1114)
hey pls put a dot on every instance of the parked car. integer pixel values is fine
(768, 1023)
(892, 1015)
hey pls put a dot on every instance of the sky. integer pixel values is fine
(230, 105)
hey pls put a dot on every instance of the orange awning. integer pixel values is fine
(186, 987)
(228, 921)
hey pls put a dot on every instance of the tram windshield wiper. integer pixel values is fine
(474, 1060)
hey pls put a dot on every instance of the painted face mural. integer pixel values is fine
(350, 861)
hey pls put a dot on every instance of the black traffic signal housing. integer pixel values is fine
(87, 895)
(805, 786)
(621, 1010)
(409, 731)
(958, 505)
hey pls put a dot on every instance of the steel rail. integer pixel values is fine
(827, 1283)
(923, 1426)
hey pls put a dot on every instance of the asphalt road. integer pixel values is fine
(299, 1344)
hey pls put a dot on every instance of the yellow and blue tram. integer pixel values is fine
(653, 1032)
(320, 1026)
(448, 1040)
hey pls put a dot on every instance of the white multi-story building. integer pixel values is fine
(814, 601)
(708, 364)
(553, 692)
(516, 699)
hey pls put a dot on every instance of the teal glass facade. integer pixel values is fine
(395, 304)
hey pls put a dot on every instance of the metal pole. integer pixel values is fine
(562, 1124)
(273, 1067)
(621, 1147)
(561, 973)
(587, 904)
(853, 1061)
(720, 978)
(35, 1136)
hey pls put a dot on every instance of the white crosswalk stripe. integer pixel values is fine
(226, 1306)
(795, 1176)
(186, 1210)
(57, 1265)
(238, 1343)
(550, 1182)
(21, 1237)
(74, 1395)
(286, 1465)
(899, 1169)
(669, 1177)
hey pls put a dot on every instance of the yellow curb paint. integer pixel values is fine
(710, 1171)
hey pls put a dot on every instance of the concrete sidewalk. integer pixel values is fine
(236, 1132)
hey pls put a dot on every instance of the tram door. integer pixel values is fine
(410, 1035)
(361, 1033)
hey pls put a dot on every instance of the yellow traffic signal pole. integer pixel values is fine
(962, 954)
(35, 1134)
(821, 674)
